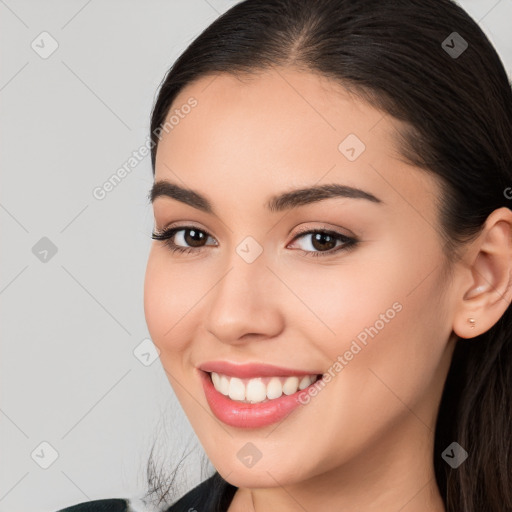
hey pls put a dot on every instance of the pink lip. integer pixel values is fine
(246, 415)
(251, 370)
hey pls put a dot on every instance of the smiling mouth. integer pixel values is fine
(260, 389)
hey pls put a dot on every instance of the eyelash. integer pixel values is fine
(167, 235)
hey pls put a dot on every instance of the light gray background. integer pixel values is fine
(71, 324)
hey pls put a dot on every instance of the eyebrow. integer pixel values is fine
(277, 203)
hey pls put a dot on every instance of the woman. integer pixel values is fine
(330, 280)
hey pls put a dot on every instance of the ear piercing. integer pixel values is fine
(471, 322)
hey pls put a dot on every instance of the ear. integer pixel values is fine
(486, 289)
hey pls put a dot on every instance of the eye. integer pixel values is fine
(324, 242)
(191, 235)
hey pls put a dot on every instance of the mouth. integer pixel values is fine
(256, 400)
(260, 389)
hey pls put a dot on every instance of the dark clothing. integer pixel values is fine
(107, 505)
(212, 495)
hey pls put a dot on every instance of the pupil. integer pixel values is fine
(196, 237)
(321, 237)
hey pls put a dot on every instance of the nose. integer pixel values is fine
(244, 304)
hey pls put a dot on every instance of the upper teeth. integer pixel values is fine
(260, 388)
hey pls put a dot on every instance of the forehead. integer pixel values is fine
(276, 110)
(279, 129)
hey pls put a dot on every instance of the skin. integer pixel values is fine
(365, 442)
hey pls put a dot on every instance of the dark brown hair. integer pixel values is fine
(457, 114)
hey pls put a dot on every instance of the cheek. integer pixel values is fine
(391, 292)
(345, 299)
(383, 313)
(168, 296)
(393, 335)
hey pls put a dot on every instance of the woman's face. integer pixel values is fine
(372, 315)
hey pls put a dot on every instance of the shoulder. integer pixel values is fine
(105, 505)
(212, 495)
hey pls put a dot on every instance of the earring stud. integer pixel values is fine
(471, 322)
